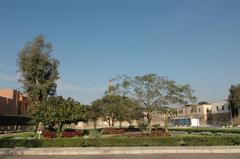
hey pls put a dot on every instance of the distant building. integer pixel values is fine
(13, 102)
(221, 113)
(200, 112)
(218, 113)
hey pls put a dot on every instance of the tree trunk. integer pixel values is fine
(95, 124)
(60, 127)
(37, 125)
(166, 122)
(120, 124)
(149, 118)
(112, 123)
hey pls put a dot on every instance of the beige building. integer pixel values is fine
(221, 113)
(218, 113)
(201, 112)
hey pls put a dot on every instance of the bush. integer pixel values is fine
(156, 126)
(95, 133)
(71, 133)
(212, 130)
(49, 134)
(122, 141)
(131, 128)
(155, 133)
(113, 131)
(211, 141)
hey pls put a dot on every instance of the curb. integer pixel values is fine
(116, 150)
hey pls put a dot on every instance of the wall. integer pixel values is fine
(221, 113)
(207, 113)
(13, 102)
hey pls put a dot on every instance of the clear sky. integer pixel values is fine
(190, 41)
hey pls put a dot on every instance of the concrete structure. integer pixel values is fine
(201, 112)
(157, 119)
(12, 102)
(119, 150)
(100, 124)
(221, 113)
(218, 113)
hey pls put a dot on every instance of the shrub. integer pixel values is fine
(113, 131)
(212, 130)
(49, 134)
(211, 141)
(131, 128)
(156, 126)
(122, 141)
(72, 133)
(95, 133)
(155, 133)
(134, 134)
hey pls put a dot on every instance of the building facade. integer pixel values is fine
(13, 102)
(218, 113)
(221, 113)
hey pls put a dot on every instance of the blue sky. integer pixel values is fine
(190, 41)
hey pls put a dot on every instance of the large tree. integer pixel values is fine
(153, 92)
(95, 111)
(128, 110)
(57, 111)
(110, 106)
(38, 70)
(234, 99)
(113, 108)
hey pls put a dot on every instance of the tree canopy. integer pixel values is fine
(113, 108)
(153, 92)
(59, 111)
(234, 99)
(39, 71)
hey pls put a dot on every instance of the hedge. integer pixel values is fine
(212, 130)
(122, 142)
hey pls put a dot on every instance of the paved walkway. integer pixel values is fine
(118, 150)
(136, 156)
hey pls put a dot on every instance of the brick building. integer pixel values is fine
(13, 102)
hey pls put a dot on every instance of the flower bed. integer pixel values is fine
(72, 133)
(113, 131)
(49, 134)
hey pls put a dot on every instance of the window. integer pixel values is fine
(199, 110)
(223, 107)
(217, 108)
(207, 110)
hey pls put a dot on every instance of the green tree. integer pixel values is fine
(57, 111)
(128, 110)
(38, 70)
(113, 108)
(95, 111)
(110, 106)
(234, 99)
(154, 92)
